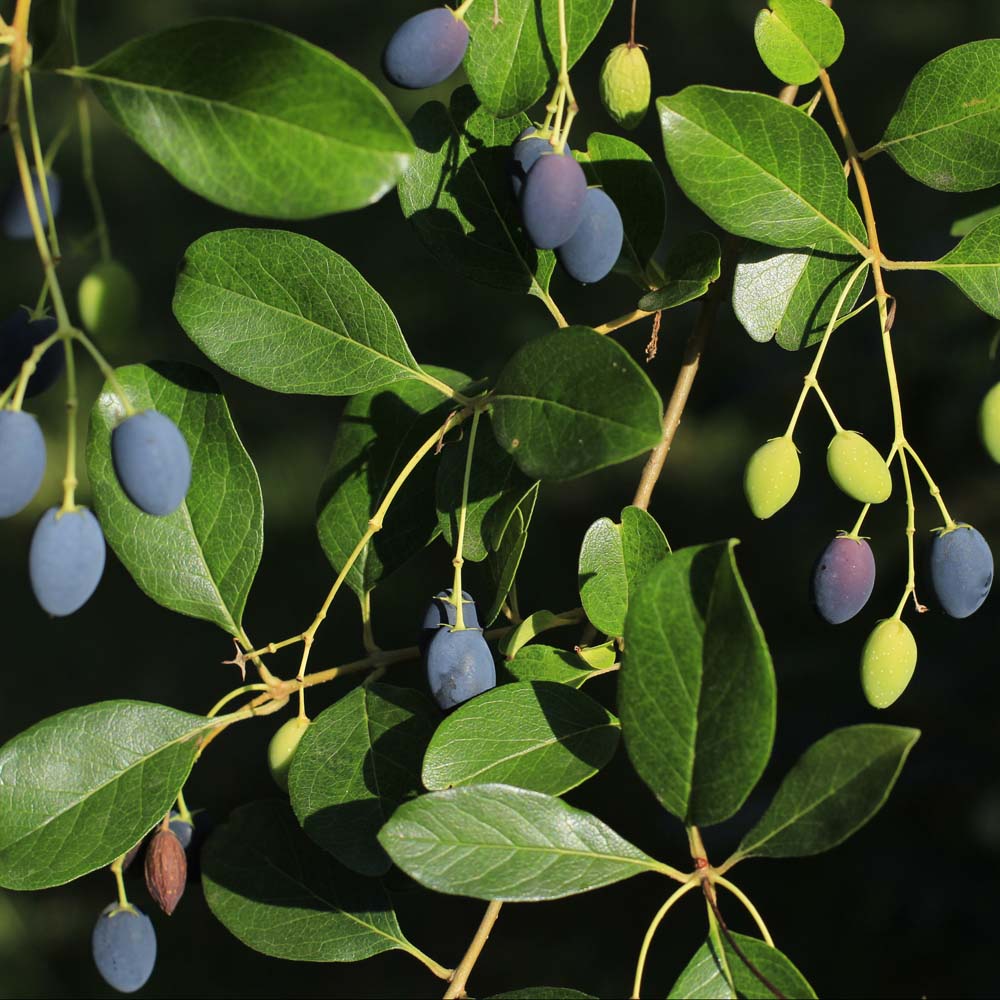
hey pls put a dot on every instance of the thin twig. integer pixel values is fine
(457, 986)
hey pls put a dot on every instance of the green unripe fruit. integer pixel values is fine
(282, 747)
(989, 422)
(108, 299)
(857, 468)
(771, 477)
(625, 86)
(887, 662)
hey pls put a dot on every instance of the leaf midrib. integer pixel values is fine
(990, 110)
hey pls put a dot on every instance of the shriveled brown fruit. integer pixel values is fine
(166, 870)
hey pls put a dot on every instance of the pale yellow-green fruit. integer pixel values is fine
(282, 747)
(625, 85)
(771, 477)
(887, 662)
(108, 300)
(989, 422)
(857, 468)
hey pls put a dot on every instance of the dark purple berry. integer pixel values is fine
(19, 336)
(14, 219)
(22, 460)
(442, 612)
(590, 253)
(961, 566)
(524, 154)
(124, 947)
(843, 579)
(459, 666)
(426, 49)
(66, 560)
(152, 462)
(552, 200)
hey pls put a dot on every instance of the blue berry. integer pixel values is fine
(426, 49)
(459, 666)
(843, 579)
(19, 336)
(14, 219)
(124, 947)
(22, 460)
(152, 462)
(442, 612)
(590, 253)
(182, 830)
(66, 560)
(552, 200)
(961, 570)
(524, 154)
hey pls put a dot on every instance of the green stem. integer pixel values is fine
(750, 908)
(40, 172)
(640, 966)
(106, 370)
(459, 561)
(20, 384)
(89, 175)
(69, 480)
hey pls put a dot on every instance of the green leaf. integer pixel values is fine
(542, 993)
(835, 787)
(81, 788)
(498, 842)
(357, 761)
(543, 736)
(534, 624)
(546, 663)
(573, 402)
(965, 225)
(254, 118)
(687, 272)
(283, 312)
(511, 63)
(946, 132)
(502, 565)
(759, 168)
(496, 487)
(632, 181)
(704, 976)
(201, 559)
(798, 38)
(697, 691)
(791, 294)
(274, 889)
(974, 266)
(457, 194)
(378, 433)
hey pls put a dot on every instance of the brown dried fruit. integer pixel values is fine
(166, 870)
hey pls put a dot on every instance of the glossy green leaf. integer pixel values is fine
(689, 269)
(965, 225)
(759, 168)
(378, 433)
(546, 663)
(572, 402)
(511, 64)
(543, 993)
(633, 182)
(254, 118)
(974, 266)
(525, 631)
(833, 789)
(798, 38)
(274, 889)
(790, 295)
(697, 692)
(79, 789)
(704, 976)
(457, 194)
(498, 842)
(946, 133)
(538, 735)
(282, 311)
(201, 559)
(502, 565)
(357, 761)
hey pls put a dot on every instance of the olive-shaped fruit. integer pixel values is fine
(857, 468)
(14, 219)
(66, 560)
(524, 154)
(961, 566)
(552, 200)
(887, 662)
(625, 85)
(459, 666)
(426, 49)
(590, 253)
(843, 579)
(441, 611)
(989, 422)
(282, 747)
(19, 336)
(22, 460)
(771, 476)
(124, 947)
(152, 462)
(108, 300)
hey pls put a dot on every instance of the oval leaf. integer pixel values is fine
(689, 269)
(502, 564)
(201, 559)
(974, 266)
(498, 842)
(572, 402)
(697, 691)
(798, 38)
(543, 736)
(81, 788)
(254, 118)
(546, 663)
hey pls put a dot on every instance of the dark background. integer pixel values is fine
(907, 906)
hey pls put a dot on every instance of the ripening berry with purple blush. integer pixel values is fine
(843, 579)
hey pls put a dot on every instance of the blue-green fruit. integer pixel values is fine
(152, 462)
(625, 85)
(590, 253)
(857, 468)
(124, 947)
(66, 560)
(22, 460)
(459, 666)
(552, 200)
(282, 747)
(989, 422)
(771, 476)
(961, 570)
(441, 611)
(426, 49)
(108, 300)
(887, 662)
